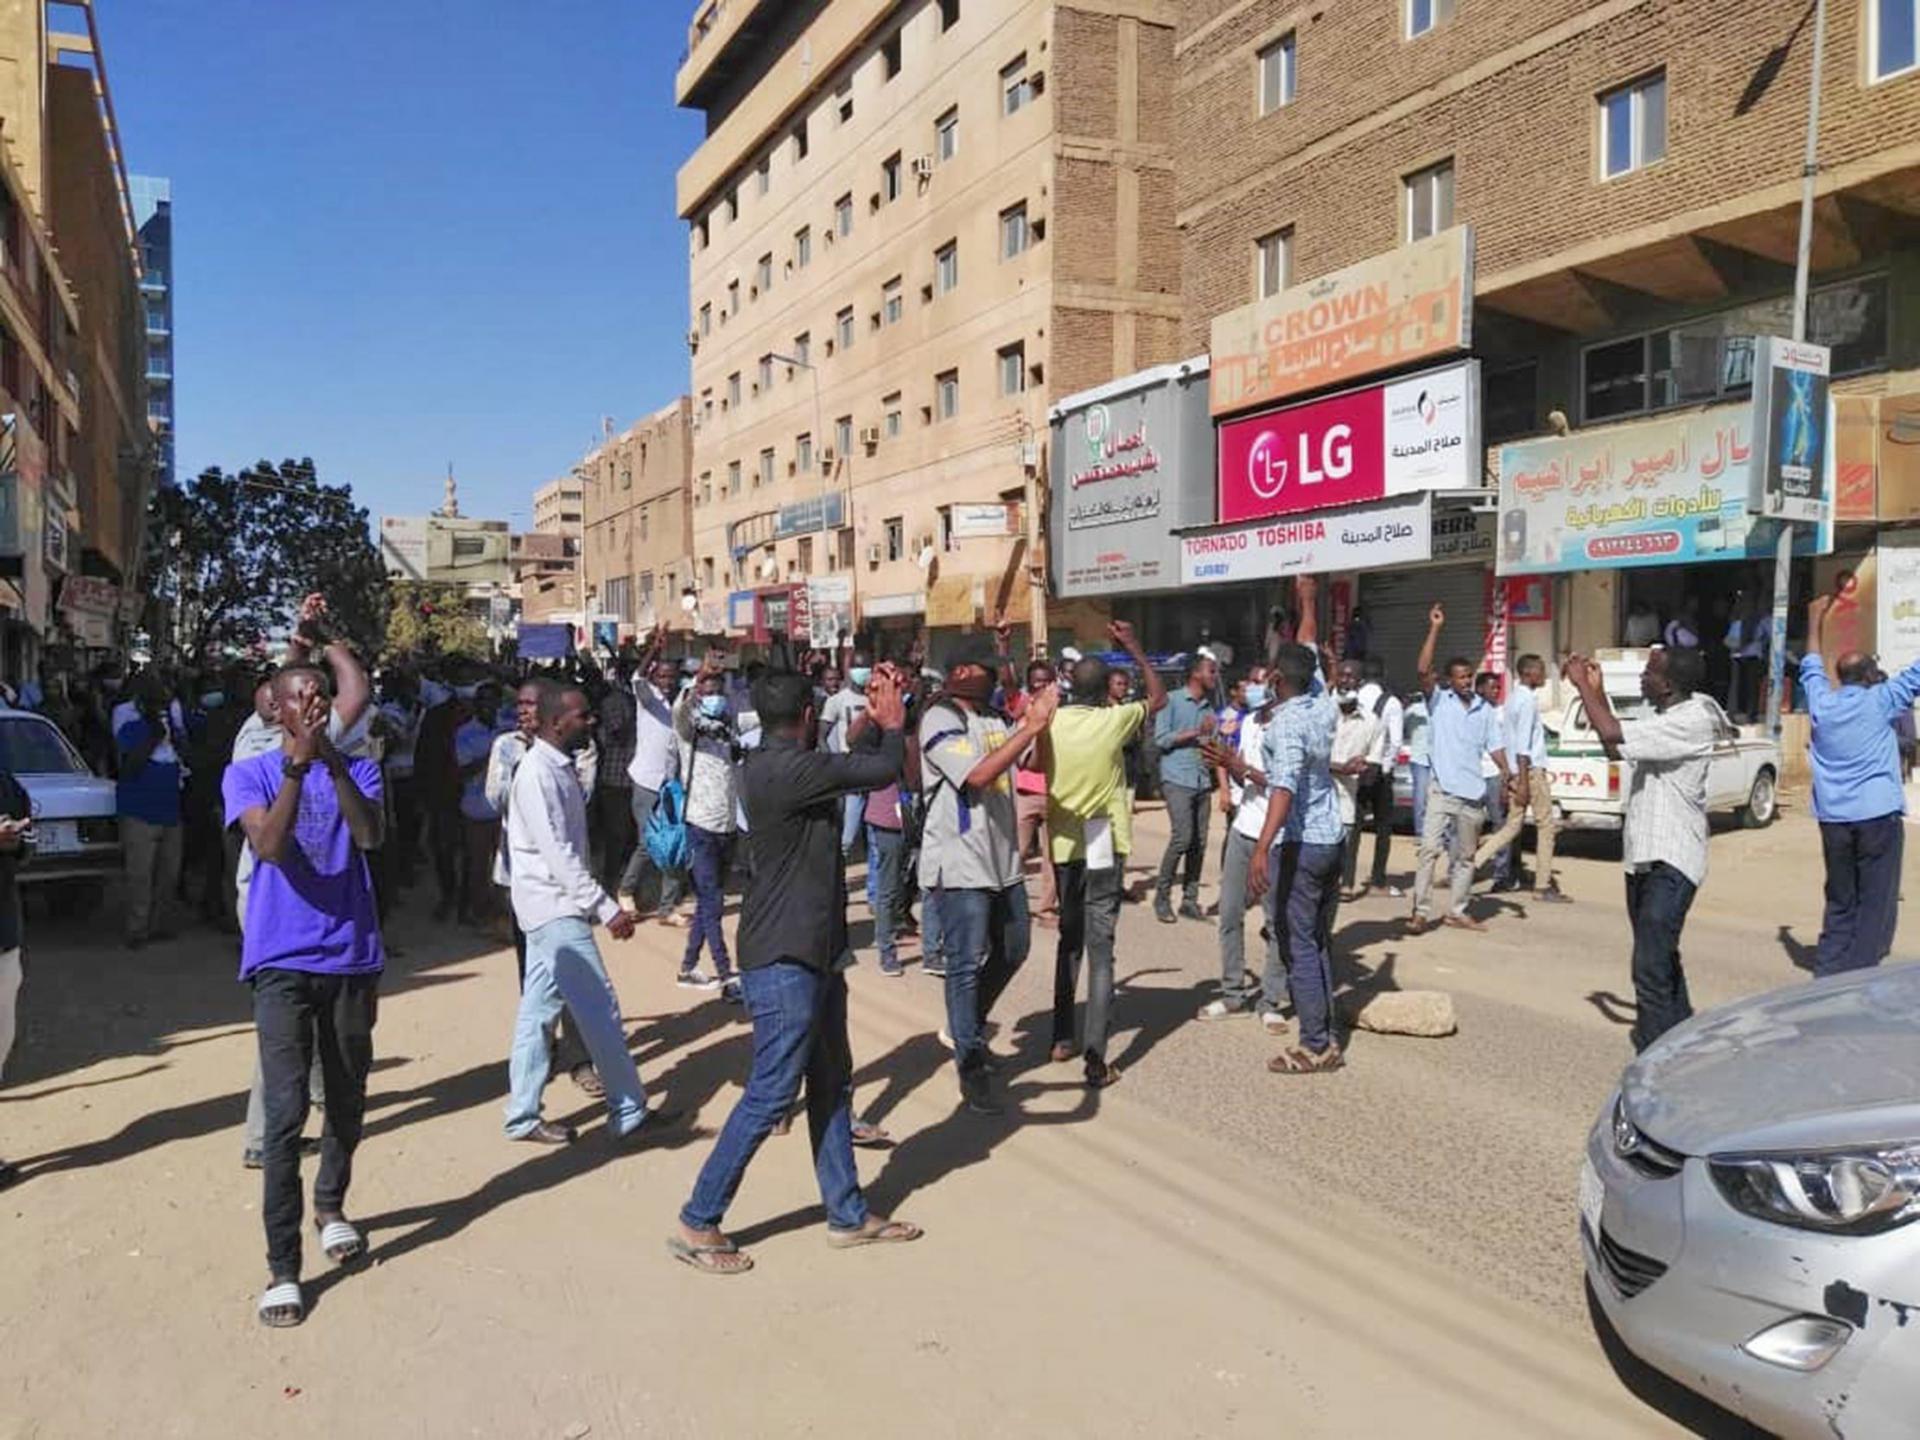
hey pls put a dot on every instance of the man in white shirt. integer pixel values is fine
(1354, 734)
(1239, 991)
(1376, 781)
(556, 901)
(1664, 841)
(656, 759)
(1532, 790)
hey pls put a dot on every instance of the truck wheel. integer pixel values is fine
(1762, 803)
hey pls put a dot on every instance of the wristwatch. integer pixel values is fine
(294, 769)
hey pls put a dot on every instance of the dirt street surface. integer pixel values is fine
(1205, 1250)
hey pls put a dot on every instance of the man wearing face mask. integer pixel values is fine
(703, 721)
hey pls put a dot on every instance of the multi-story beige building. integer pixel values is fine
(546, 560)
(559, 506)
(637, 547)
(1631, 173)
(913, 223)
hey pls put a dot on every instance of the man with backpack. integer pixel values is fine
(970, 849)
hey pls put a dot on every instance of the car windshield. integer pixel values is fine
(33, 747)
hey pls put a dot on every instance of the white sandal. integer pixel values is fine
(283, 1295)
(341, 1241)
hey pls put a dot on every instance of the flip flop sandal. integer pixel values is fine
(588, 1081)
(893, 1232)
(341, 1242)
(1298, 1061)
(703, 1257)
(869, 1136)
(281, 1306)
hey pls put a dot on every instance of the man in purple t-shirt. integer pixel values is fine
(311, 950)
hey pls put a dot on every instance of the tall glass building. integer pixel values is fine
(153, 218)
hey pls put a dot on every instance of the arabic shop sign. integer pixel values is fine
(1393, 532)
(1408, 305)
(1132, 462)
(1791, 430)
(1656, 493)
(816, 513)
(1417, 434)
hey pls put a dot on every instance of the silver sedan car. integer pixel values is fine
(1748, 1206)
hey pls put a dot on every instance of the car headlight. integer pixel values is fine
(1853, 1192)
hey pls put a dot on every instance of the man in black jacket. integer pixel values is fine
(792, 940)
(16, 830)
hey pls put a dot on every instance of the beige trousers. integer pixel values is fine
(1540, 806)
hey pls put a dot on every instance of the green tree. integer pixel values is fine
(231, 556)
(426, 620)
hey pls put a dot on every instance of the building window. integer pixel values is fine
(1429, 200)
(803, 347)
(890, 55)
(1276, 75)
(804, 554)
(890, 178)
(643, 524)
(843, 437)
(891, 404)
(1633, 126)
(946, 268)
(843, 102)
(733, 205)
(891, 304)
(733, 297)
(803, 247)
(763, 175)
(1423, 15)
(733, 477)
(700, 235)
(766, 373)
(733, 391)
(706, 487)
(765, 477)
(706, 405)
(843, 328)
(949, 14)
(763, 273)
(1711, 358)
(706, 573)
(896, 537)
(843, 216)
(1013, 231)
(803, 454)
(800, 139)
(946, 135)
(1273, 262)
(946, 395)
(706, 319)
(1893, 32)
(843, 549)
(1016, 86)
(1013, 369)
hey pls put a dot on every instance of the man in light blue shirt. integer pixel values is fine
(1186, 785)
(1461, 728)
(1857, 797)
(1297, 751)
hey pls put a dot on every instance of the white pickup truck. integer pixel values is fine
(1590, 791)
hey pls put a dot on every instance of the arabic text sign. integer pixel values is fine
(1657, 492)
(1394, 533)
(1791, 430)
(1411, 304)
(1421, 433)
(1899, 599)
(982, 521)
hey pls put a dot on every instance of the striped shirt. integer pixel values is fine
(1298, 754)
(1667, 796)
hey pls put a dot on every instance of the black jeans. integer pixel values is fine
(1089, 915)
(446, 838)
(1376, 801)
(1863, 892)
(569, 1050)
(613, 824)
(1658, 899)
(1187, 812)
(293, 1012)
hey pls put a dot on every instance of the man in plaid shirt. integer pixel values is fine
(613, 790)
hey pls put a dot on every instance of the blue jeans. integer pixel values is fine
(1307, 880)
(1496, 817)
(707, 852)
(563, 966)
(885, 850)
(799, 1033)
(988, 935)
(1863, 892)
(1658, 899)
(933, 929)
(1418, 775)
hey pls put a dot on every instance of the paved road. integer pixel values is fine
(1206, 1249)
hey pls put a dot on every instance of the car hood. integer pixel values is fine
(68, 797)
(1835, 1062)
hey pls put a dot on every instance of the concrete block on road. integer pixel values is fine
(1400, 1012)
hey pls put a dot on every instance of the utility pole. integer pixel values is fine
(1803, 261)
(1036, 545)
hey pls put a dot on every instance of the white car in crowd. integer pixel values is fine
(1590, 791)
(76, 832)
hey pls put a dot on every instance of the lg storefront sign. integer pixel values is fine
(1417, 434)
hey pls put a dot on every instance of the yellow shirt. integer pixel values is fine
(1086, 774)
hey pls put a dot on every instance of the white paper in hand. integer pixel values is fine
(1100, 844)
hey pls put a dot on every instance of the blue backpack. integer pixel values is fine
(666, 837)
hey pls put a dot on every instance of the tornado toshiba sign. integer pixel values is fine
(1421, 433)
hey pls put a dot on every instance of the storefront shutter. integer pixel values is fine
(1397, 602)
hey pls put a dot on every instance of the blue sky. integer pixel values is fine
(413, 233)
